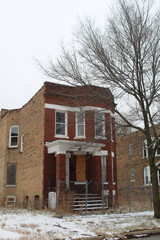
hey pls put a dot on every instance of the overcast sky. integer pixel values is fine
(33, 29)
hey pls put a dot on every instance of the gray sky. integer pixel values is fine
(33, 29)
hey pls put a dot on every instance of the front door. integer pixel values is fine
(80, 168)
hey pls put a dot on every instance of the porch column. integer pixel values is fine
(68, 155)
(60, 170)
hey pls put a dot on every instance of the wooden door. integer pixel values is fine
(80, 168)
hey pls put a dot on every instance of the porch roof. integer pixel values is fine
(78, 147)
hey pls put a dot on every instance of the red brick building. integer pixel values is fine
(63, 134)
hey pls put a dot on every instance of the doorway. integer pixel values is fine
(81, 168)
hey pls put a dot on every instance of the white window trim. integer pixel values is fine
(144, 146)
(66, 125)
(15, 146)
(156, 154)
(22, 143)
(113, 175)
(111, 126)
(145, 142)
(103, 127)
(76, 119)
(102, 166)
(78, 109)
(149, 176)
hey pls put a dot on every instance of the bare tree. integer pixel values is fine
(124, 56)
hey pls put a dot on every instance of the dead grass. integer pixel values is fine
(66, 200)
(3, 225)
(32, 226)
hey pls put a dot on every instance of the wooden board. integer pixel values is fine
(80, 168)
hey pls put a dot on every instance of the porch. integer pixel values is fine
(79, 169)
(85, 200)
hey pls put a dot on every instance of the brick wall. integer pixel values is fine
(29, 174)
(36, 169)
(69, 96)
(133, 193)
(3, 140)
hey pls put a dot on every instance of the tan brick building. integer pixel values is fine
(64, 134)
(133, 172)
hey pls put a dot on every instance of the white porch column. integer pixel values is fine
(68, 155)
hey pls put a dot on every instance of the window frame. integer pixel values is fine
(131, 150)
(81, 124)
(111, 126)
(158, 147)
(147, 175)
(132, 175)
(11, 137)
(65, 124)
(144, 149)
(113, 168)
(103, 136)
(13, 184)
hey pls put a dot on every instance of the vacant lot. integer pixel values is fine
(25, 224)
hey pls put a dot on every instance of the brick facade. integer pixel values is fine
(132, 194)
(40, 166)
(29, 172)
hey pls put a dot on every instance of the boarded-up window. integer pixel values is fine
(11, 174)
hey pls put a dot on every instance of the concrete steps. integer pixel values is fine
(93, 202)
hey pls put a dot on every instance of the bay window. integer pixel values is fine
(99, 125)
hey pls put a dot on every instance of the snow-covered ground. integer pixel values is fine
(25, 224)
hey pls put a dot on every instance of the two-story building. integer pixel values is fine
(63, 134)
(133, 172)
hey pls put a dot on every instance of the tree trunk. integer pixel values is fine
(155, 188)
